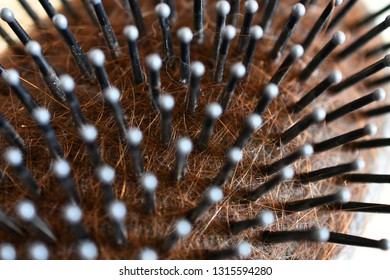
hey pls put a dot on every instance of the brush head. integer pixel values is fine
(175, 198)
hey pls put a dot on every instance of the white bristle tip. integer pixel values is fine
(13, 156)
(7, 252)
(321, 235)
(33, 48)
(197, 68)
(370, 129)
(359, 164)
(41, 115)
(338, 2)
(298, 10)
(67, 83)
(87, 250)
(185, 34)
(166, 102)
(7, 15)
(73, 213)
(183, 227)
(296, 51)
(106, 174)
(343, 196)
(254, 121)
(266, 218)
(38, 251)
(163, 10)
(149, 182)
(244, 249)
(26, 210)
(335, 77)
(88, 133)
(112, 95)
(97, 57)
(271, 91)
(215, 194)
(134, 136)
(251, 6)
(256, 32)
(238, 70)
(235, 155)
(214, 110)
(60, 21)
(131, 32)
(287, 173)
(61, 168)
(223, 8)
(184, 146)
(338, 38)
(229, 32)
(94, 2)
(148, 254)
(11, 76)
(117, 210)
(319, 114)
(379, 94)
(307, 150)
(153, 62)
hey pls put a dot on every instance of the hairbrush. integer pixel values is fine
(190, 129)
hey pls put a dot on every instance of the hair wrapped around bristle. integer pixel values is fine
(189, 130)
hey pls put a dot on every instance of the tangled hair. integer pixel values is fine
(175, 198)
